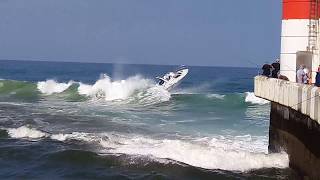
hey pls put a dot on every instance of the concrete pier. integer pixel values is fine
(294, 122)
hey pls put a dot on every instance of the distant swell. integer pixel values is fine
(222, 153)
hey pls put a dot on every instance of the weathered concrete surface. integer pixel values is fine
(299, 136)
(300, 97)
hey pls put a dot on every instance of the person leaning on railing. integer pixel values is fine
(266, 70)
(275, 69)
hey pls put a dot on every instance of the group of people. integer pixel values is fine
(271, 70)
(303, 75)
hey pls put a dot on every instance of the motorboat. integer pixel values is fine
(172, 79)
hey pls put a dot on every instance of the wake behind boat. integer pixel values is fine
(172, 79)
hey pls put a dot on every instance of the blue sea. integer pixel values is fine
(63, 120)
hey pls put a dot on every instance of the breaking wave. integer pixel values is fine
(25, 132)
(200, 154)
(49, 87)
(114, 90)
(135, 90)
(240, 153)
(251, 98)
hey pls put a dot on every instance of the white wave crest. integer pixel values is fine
(216, 96)
(209, 156)
(119, 90)
(26, 132)
(74, 136)
(49, 87)
(251, 98)
(241, 153)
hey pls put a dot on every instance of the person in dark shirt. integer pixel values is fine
(276, 69)
(266, 70)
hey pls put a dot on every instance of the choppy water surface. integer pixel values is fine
(86, 121)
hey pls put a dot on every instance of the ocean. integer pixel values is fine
(63, 120)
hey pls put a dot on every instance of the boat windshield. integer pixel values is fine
(161, 82)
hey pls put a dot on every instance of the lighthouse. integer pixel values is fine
(295, 107)
(299, 37)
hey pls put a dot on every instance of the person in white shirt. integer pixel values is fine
(301, 74)
(306, 75)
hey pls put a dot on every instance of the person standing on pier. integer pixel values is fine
(301, 74)
(276, 68)
(307, 76)
(266, 70)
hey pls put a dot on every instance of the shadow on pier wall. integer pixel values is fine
(299, 136)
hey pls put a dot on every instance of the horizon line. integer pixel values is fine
(70, 61)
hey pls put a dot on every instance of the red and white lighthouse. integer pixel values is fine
(299, 36)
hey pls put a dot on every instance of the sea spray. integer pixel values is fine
(26, 132)
(114, 90)
(134, 89)
(49, 87)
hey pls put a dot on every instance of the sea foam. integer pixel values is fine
(216, 96)
(196, 154)
(251, 98)
(111, 90)
(241, 153)
(26, 132)
(134, 88)
(49, 87)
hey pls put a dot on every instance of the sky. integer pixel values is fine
(192, 32)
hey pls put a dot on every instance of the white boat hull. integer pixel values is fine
(172, 79)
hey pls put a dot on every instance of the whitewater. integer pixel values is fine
(206, 152)
(123, 89)
(210, 153)
(215, 126)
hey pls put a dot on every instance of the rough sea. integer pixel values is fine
(63, 120)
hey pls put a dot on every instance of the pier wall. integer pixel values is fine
(294, 122)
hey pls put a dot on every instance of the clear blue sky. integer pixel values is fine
(192, 32)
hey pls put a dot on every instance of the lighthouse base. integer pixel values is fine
(299, 136)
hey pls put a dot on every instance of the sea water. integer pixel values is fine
(111, 121)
